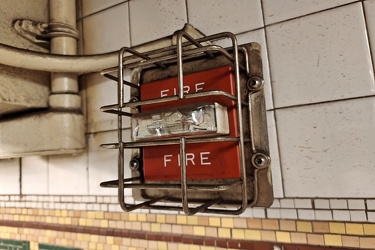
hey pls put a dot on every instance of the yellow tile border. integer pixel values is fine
(328, 233)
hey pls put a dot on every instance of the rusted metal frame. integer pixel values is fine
(188, 54)
(200, 187)
(181, 95)
(114, 107)
(169, 142)
(260, 150)
(205, 207)
(121, 174)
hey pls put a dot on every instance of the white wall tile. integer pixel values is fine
(288, 213)
(276, 203)
(358, 215)
(321, 204)
(259, 212)
(154, 19)
(338, 203)
(273, 213)
(287, 203)
(277, 181)
(303, 203)
(356, 204)
(9, 176)
(341, 215)
(370, 204)
(92, 6)
(68, 174)
(276, 10)
(371, 216)
(327, 149)
(247, 214)
(370, 20)
(320, 57)
(103, 162)
(257, 36)
(215, 16)
(101, 91)
(35, 175)
(325, 215)
(106, 31)
(306, 214)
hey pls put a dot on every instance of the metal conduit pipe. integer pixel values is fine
(79, 64)
(64, 86)
(22, 58)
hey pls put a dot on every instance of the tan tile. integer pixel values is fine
(350, 241)
(108, 215)
(133, 217)
(142, 217)
(199, 230)
(320, 227)
(192, 220)
(181, 219)
(125, 216)
(251, 234)
(203, 221)
(118, 241)
(304, 226)
(171, 219)
(116, 216)
(224, 232)
(240, 222)
(143, 244)
(354, 228)
(187, 230)
(211, 232)
(177, 229)
(227, 222)
(332, 240)
(160, 218)
(299, 238)
(162, 245)
(369, 229)
(337, 228)
(283, 237)
(166, 228)
(287, 225)
(111, 224)
(270, 224)
(214, 222)
(268, 235)
(155, 227)
(365, 242)
(238, 234)
(146, 226)
(152, 217)
(315, 239)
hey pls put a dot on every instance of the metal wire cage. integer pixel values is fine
(252, 131)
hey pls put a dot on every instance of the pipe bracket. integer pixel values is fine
(40, 33)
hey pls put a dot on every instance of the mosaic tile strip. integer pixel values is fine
(198, 230)
(354, 210)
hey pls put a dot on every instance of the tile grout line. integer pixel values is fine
(273, 103)
(367, 36)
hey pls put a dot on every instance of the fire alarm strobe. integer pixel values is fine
(199, 130)
(203, 161)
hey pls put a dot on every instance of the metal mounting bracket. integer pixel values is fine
(227, 196)
(40, 33)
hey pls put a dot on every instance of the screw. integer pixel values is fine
(133, 99)
(260, 160)
(134, 164)
(255, 83)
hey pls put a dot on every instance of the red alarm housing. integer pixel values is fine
(212, 160)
